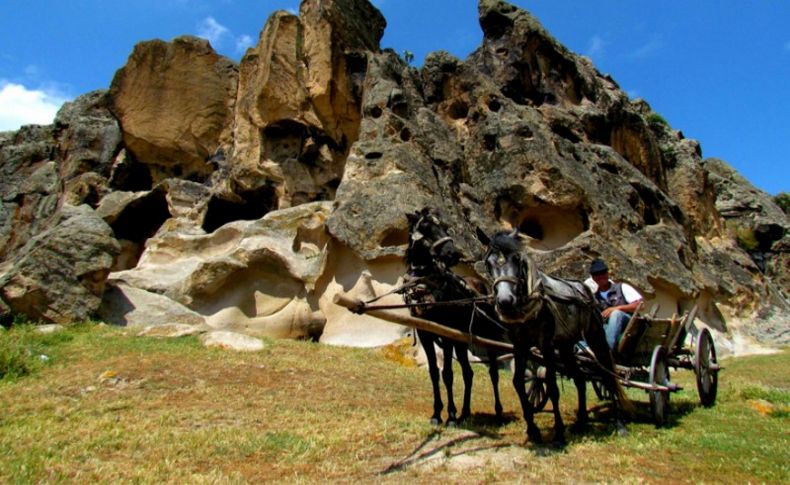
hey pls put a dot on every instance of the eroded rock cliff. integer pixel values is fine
(245, 196)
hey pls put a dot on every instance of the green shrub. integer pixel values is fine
(657, 119)
(746, 239)
(19, 353)
(24, 350)
(782, 199)
(744, 236)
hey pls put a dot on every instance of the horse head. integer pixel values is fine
(510, 272)
(430, 241)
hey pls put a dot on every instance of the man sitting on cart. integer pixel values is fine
(618, 301)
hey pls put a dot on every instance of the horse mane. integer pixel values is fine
(503, 242)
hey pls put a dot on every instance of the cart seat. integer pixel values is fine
(641, 336)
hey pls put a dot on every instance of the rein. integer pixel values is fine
(363, 306)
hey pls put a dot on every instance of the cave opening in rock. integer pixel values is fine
(252, 205)
(138, 221)
(395, 237)
(142, 218)
(495, 24)
(131, 175)
(458, 110)
(548, 226)
(646, 204)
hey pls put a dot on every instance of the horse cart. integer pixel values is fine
(647, 350)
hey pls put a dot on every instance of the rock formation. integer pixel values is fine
(243, 197)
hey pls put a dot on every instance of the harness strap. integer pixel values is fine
(435, 246)
(399, 289)
(506, 279)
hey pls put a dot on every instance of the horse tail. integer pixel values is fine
(625, 403)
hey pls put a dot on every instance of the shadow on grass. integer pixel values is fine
(433, 444)
(601, 427)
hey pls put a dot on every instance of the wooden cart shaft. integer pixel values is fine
(421, 324)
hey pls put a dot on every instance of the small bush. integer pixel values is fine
(744, 236)
(19, 354)
(657, 119)
(24, 350)
(782, 199)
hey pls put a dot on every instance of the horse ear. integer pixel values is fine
(412, 218)
(481, 236)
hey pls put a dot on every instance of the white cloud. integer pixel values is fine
(596, 47)
(242, 43)
(212, 31)
(652, 46)
(22, 106)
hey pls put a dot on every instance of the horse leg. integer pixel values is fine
(554, 394)
(447, 377)
(427, 341)
(462, 352)
(519, 374)
(493, 372)
(569, 361)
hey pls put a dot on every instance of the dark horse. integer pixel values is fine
(430, 255)
(552, 315)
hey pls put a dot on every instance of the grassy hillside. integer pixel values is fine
(105, 406)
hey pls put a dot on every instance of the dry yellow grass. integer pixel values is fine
(116, 408)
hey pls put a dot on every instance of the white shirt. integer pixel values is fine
(629, 292)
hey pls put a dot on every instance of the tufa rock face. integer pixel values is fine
(59, 274)
(244, 197)
(173, 100)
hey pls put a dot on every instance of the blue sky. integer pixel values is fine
(718, 70)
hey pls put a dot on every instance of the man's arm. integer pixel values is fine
(630, 293)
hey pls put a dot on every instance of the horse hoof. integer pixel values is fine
(559, 442)
(452, 423)
(622, 431)
(580, 426)
(535, 438)
(436, 421)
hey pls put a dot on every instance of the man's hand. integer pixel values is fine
(608, 311)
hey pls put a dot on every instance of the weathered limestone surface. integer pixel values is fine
(173, 100)
(59, 274)
(244, 197)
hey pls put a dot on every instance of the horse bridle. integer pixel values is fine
(435, 246)
(531, 293)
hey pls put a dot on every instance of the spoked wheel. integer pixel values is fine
(659, 375)
(536, 386)
(602, 392)
(707, 369)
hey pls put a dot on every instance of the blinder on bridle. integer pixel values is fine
(434, 248)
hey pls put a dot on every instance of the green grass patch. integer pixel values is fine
(112, 407)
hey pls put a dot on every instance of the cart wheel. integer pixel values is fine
(536, 386)
(659, 374)
(705, 366)
(601, 391)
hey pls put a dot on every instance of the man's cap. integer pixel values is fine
(598, 266)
